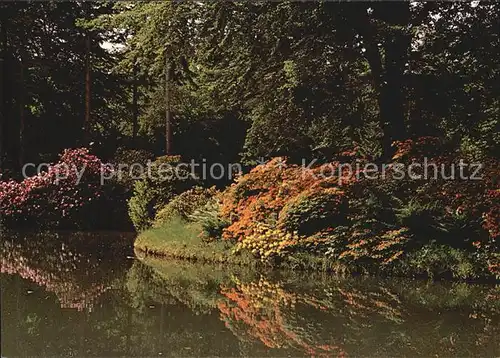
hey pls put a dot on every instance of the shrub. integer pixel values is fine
(164, 180)
(313, 210)
(64, 196)
(461, 214)
(267, 242)
(434, 260)
(368, 222)
(374, 246)
(260, 196)
(184, 205)
(141, 205)
(208, 216)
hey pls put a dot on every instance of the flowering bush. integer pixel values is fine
(367, 245)
(267, 243)
(278, 209)
(61, 196)
(261, 195)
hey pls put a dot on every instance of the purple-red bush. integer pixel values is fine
(60, 196)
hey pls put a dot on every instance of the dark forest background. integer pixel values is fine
(246, 80)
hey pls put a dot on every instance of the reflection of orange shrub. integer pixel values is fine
(265, 312)
(337, 317)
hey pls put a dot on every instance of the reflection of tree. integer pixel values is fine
(319, 315)
(195, 286)
(69, 294)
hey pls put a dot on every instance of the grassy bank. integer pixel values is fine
(180, 240)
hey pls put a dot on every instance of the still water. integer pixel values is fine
(83, 295)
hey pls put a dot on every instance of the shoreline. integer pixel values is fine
(147, 244)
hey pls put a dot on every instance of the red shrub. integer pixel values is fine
(64, 190)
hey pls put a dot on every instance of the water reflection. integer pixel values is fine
(66, 264)
(80, 296)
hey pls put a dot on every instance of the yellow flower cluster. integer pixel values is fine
(267, 242)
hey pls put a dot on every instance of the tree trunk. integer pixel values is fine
(387, 70)
(86, 124)
(168, 114)
(22, 113)
(3, 58)
(135, 109)
(392, 95)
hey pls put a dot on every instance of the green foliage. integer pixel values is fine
(141, 205)
(50, 87)
(437, 261)
(369, 143)
(184, 205)
(208, 216)
(313, 211)
(128, 156)
(160, 184)
(416, 215)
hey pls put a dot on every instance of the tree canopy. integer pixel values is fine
(301, 79)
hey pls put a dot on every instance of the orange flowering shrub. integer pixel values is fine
(279, 208)
(384, 247)
(261, 195)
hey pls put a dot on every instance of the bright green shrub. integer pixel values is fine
(434, 260)
(184, 205)
(160, 184)
(210, 219)
(140, 205)
(314, 210)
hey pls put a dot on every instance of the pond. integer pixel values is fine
(83, 295)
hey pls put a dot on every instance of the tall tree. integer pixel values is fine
(88, 83)
(3, 64)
